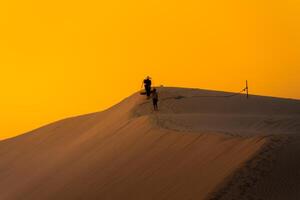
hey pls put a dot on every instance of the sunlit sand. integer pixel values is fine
(192, 148)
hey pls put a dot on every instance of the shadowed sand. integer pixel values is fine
(193, 148)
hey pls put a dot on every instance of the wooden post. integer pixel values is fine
(247, 89)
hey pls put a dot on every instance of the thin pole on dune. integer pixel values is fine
(247, 89)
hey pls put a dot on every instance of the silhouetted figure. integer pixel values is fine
(147, 84)
(155, 99)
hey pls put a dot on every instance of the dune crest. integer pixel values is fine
(191, 149)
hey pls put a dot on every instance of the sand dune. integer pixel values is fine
(193, 148)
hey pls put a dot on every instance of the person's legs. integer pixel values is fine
(155, 104)
(148, 91)
(153, 101)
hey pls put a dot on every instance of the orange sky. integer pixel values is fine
(62, 58)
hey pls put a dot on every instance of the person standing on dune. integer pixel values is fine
(147, 85)
(155, 99)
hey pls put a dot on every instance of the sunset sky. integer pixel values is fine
(61, 58)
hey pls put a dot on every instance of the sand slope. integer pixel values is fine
(192, 149)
